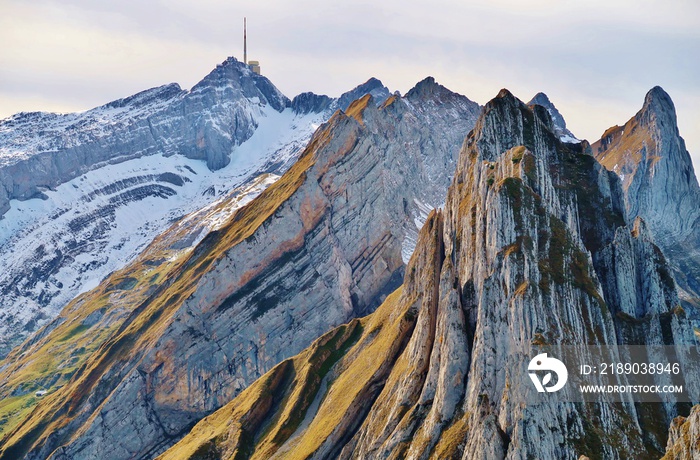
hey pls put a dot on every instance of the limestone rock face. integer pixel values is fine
(558, 121)
(530, 248)
(93, 188)
(649, 156)
(97, 187)
(320, 246)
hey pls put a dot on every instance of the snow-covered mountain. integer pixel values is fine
(82, 194)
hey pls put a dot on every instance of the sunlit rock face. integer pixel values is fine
(533, 247)
(90, 190)
(684, 437)
(649, 156)
(324, 244)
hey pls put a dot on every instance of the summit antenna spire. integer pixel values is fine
(252, 65)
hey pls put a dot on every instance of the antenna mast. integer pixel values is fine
(245, 43)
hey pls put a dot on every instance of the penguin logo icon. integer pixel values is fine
(542, 363)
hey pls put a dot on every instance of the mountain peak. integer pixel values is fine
(657, 95)
(505, 94)
(427, 82)
(309, 102)
(427, 86)
(541, 98)
(237, 76)
(503, 99)
(430, 91)
(658, 107)
(558, 121)
(372, 82)
(649, 156)
(372, 86)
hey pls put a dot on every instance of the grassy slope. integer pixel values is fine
(320, 394)
(358, 351)
(624, 147)
(50, 362)
(150, 303)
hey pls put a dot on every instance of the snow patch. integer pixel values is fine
(408, 245)
(98, 222)
(569, 139)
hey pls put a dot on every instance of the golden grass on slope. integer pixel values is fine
(359, 348)
(358, 106)
(349, 389)
(452, 439)
(14, 409)
(149, 316)
(622, 146)
(50, 362)
(150, 313)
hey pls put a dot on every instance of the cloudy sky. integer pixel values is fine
(595, 59)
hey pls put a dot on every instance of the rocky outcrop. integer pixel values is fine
(320, 246)
(529, 251)
(373, 86)
(684, 437)
(314, 103)
(558, 121)
(310, 102)
(657, 175)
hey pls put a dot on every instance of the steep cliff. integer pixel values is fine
(558, 121)
(317, 248)
(660, 186)
(533, 248)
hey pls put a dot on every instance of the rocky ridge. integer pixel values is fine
(206, 122)
(100, 185)
(518, 259)
(310, 102)
(320, 246)
(649, 156)
(558, 121)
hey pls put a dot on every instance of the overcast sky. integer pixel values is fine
(596, 59)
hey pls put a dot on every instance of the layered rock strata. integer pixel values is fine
(649, 156)
(533, 248)
(320, 246)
